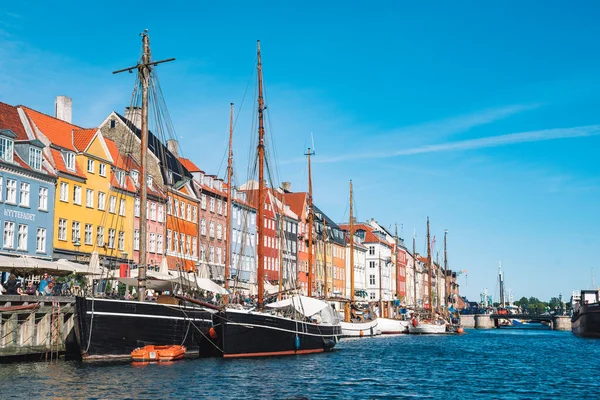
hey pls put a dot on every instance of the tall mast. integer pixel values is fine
(325, 257)
(446, 274)
(351, 247)
(229, 202)
(310, 226)
(397, 267)
(415, 261)
(144, 70)
(380, 279)
(429, 269)
(261, 186)
(281, 245)
(501, 281)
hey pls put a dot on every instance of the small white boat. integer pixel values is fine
(360, 329)
(426, 327)
(389, 326)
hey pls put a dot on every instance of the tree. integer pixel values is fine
(523, 302)
(554, 303)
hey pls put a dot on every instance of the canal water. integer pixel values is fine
(498, 364)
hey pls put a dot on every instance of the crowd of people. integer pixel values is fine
(47, 287)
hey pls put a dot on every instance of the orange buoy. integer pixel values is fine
(152, 353)
(361, 333)
(415, 322)
(212, 332)
(460, 330)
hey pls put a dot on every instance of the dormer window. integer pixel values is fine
(120, 177)
(35, 158)
(6, 149)
(135, 175)
(201, 178)
(170, 177)
(149, 181)
(69, 160)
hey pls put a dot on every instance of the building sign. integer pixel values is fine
(19, 214)
(81, 258)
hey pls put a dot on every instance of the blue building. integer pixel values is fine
(243, 240)
(27, 190)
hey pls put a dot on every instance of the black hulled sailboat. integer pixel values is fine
(297, 325)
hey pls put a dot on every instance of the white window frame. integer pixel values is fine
(100, 236)
(112, 204)
(101, 200)
(89, 198)
(90, 166)
(40, 241)
(11, 191)
(64, 192)
(122, 206)
(7, 147)
(77, 195)
(42, 198)
(9, 235)
(88, 234)
(22, 237)
(102, 169)
(136, 240)
(24, 194)
(62, 229)
(121, 240)
(35, 158)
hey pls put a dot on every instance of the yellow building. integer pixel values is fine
(94, 195)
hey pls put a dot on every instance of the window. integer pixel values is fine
(1, 189)
(219, 207)
(203, 227)
(203, 201)
(101, 200)
(64, 191)
(22, 237)
(113, 123)
(43, 198)
(111, 238)
(40, 242)
(176, 208)
(136, 240)
(202, 253)
(188, 243)
(372, 295)
(90, 167)
(182, 243)
(371, 279)
(100, 236)
(212, 204)
(152, 246)
(211, 254)
(161, 213)
(69, 158)
(371, 264)
(182, 209)
(75, 232)
(120, 177)
(218, 255)
(211, 229)
(153, 211)
(102, 169)
(6, 149)
(89, 198)
(159, 243)
(169, 248)
(149, 181)
(121, 240)
(87, 239)
(134, 175)
(11, 191)
(62, 229)
(9, 235)
(371, 250)
(136, 207)
(112, 205)
(194, 246)
(194, 214)
(77, 195)
(122, 207)
(35, 158)
(170, 206)
(175, 241)
(189, 212)
(24, 194)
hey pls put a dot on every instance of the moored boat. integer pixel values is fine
(392, 326)
(426, 327)
(585, 321)
(152, 353)
(360, 329)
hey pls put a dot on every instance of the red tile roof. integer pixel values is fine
(296, 201)
(189, 164)
(57, 131)
(82, 138)
(60, 164)
(9, 119)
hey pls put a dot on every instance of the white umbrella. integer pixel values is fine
(306, 306)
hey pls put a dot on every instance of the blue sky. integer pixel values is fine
(482, 116)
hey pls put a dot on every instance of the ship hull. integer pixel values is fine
(586, 323)
(424, 328)
(389, 326)
(243, 333)
(112, 329)
(360, 329)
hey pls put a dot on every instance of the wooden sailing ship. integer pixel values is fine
(297, 325)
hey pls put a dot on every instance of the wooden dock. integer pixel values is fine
(35, 327)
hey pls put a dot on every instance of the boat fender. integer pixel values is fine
(297, 342)
(212, 332)
(361, 333)
(415, 322)
(460, 330)
(371, 329)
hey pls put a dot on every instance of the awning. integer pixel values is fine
(306, 306)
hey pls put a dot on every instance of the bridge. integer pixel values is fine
(529, 317)
(487, 321)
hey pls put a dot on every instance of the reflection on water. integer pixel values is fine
(479, 364)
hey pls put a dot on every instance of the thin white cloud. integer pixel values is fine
(472, 144)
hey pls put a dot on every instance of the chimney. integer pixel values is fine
(286, 186)
(134, 114)
(173, 147)
(63, 108)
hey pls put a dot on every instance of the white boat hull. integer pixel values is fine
(388, 326)
(426, 328)
(360, 329)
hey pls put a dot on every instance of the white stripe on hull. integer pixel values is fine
(389, 326)
(357, 329)
(426, 328)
